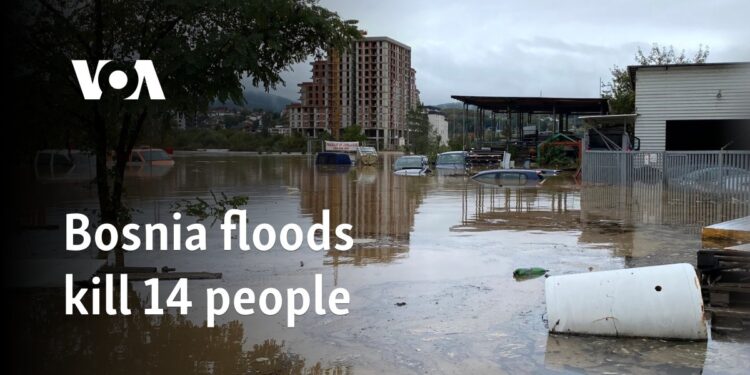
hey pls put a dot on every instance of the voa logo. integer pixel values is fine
(118, 79)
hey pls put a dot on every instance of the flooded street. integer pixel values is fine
(444, 245)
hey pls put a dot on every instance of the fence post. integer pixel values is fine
(626, 155)
(584, 147)
(664, 168)
(720, 189)
(721, 166)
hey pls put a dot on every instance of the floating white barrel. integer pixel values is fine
(659, 301)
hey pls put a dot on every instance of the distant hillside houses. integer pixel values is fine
(234, 118)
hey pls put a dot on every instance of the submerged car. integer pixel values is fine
(411, 165)
(452, 164)
(64, 165)
(509, 177)
(333, 158)
(451, 160)
(367, 155)
(149, 157)
(716, 180)
(549, 172)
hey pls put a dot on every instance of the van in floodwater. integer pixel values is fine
(333, 158)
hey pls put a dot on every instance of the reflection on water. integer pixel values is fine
(443, 244)
(651, 204)
(141, 344)
(379, 205)
(637, 223)
(494, 208)
(603, 355)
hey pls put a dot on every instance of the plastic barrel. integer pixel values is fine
(659, 301)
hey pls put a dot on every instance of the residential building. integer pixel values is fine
(280, 129)
(372, 85)
(692, 106)
(181, 120)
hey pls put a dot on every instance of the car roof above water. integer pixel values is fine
(493, 171)
(411, 157)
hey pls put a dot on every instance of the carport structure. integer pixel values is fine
(560, 109)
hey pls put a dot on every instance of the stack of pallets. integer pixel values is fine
(725, 283)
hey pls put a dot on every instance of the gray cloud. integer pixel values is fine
(558, 48)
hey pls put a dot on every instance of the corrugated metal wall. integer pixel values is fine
(688, 93)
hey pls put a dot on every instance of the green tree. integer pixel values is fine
(455, 144)
(294, 142)
(422, 139)
(663, 55)
(353, 133)
(620, 92)
(553, 156)
(201, 50)
(232, 121)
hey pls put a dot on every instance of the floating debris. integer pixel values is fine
(521, 274)
(611, 303)
(360, 241)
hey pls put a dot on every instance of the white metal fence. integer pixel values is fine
(710, 175)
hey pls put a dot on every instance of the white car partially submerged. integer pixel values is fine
(367, 155)
(411, 165)
(64, 165)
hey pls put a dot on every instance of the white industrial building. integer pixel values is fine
(692, 106)
(438, 123)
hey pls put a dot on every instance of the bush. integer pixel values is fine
(554, 156)
(455, 144)
(242, 141)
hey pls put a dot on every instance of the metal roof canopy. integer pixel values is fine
(605, 120)
(521, 104)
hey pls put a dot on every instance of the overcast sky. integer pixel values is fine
(528, 48)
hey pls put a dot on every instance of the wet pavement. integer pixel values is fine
(443, 245)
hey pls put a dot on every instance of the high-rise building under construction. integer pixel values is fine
(371, 85)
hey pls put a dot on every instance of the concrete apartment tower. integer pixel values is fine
(372, 85)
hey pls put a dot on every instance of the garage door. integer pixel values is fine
(697, 135)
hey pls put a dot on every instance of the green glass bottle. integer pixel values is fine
(528, 273)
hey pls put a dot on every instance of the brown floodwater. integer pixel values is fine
(443, 244)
